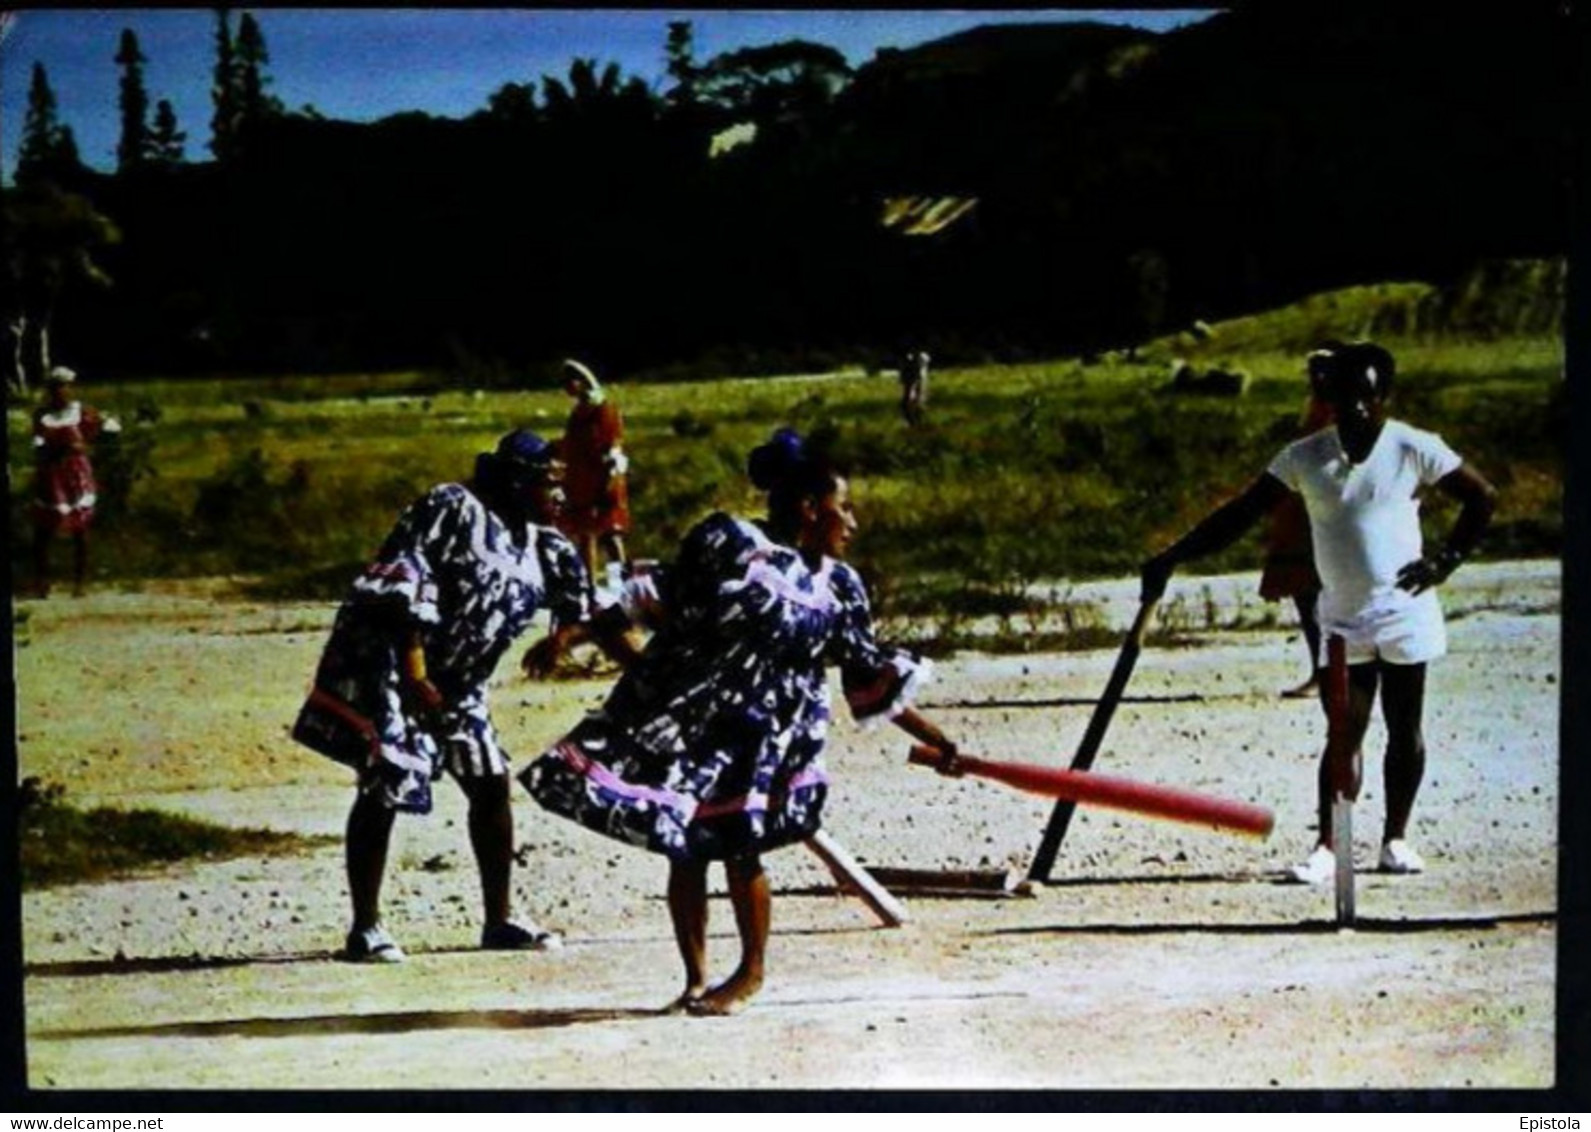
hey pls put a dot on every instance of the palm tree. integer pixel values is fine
(589, 98)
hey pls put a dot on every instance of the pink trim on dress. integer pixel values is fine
(602, 776)
(605, 778)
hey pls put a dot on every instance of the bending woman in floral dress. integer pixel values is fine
(710, 747)
(400, 694)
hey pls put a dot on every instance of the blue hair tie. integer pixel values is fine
(525, 449)
(776, 460)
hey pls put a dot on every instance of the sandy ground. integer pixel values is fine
(1160, 957)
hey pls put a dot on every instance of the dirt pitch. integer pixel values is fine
(1161, 957)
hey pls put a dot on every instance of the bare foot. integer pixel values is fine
(727, 998)
(687, 999)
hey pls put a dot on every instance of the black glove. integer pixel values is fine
(1432, 570)
(1156, 574)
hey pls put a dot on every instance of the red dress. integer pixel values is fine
(597, 502)
(64, 489)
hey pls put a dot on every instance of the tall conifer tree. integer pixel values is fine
(48, 147)
(133, 149)
(680, 53)
(224, 90)
(252, 55)
(166, 141)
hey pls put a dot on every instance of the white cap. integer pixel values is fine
(580, 371)
(63, 375)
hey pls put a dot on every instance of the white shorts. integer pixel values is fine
(1410, 633)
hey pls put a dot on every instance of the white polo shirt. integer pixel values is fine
(1364, 521)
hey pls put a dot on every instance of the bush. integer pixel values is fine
(61, 844)
(241, 510)
(121, 462)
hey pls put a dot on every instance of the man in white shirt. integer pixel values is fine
(1359, 479)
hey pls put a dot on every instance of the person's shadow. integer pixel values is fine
(401, 1022)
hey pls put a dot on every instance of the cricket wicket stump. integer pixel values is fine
(1337, 753)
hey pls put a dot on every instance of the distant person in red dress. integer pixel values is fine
(597, 505)
(64, 491)
(1289, 570)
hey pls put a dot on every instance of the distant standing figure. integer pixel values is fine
(400, 691)
(914, 386)
(1289, 570)
(65, 492)
(597, 509)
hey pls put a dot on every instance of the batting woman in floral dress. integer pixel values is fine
(400, 693)
(710, 747)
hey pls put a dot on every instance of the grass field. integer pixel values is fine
(1025, 478)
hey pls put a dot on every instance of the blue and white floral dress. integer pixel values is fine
(711, 745)
(452, 569)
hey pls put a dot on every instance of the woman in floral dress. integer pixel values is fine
(710, 747)
(400, 692)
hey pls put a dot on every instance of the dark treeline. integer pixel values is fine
(1125, 182)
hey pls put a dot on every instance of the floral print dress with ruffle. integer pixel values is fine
(456, 573)
(711, 745)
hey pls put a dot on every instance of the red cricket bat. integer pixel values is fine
(1115, 793)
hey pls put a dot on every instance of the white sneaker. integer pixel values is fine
(373, 945)
(1397, 857)
(509, 936)
(1320, 868)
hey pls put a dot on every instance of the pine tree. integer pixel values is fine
(680, 53)
(39, 126)
(66, 156)
(48, 148)
(166, 141)
(224, 90)
(133, 150)
(253, 103)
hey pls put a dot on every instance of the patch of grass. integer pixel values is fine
(62, 844)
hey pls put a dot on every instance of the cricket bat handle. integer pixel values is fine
(1113, 792)
(1126, 660)
(850, 873)
(1061, 816)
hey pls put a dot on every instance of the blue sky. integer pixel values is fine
(363, 64)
